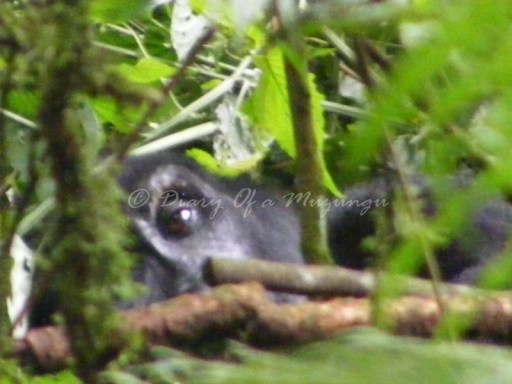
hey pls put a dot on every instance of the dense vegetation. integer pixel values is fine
(330, 93)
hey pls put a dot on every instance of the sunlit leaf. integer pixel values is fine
(209, 163)
(269, 106)
(146, 70)
(116, 11)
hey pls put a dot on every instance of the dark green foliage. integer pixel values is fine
(362, 356)
(436, 79)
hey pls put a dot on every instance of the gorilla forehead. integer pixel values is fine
(137, 170)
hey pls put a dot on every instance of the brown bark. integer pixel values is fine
(319, 280)
(246, 312)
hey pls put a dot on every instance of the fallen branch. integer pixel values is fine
(245, 312)
(320, 280)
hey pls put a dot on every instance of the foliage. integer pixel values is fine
(11, 373)
(407, 87)
(361, 356)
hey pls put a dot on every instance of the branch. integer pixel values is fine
(246, 313)
(309, 178)
(315, 280)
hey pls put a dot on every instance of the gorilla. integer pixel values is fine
(182, 216)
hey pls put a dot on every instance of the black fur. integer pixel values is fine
(233, 219)
(227, 219)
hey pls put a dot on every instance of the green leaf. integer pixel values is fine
(147, 70)
(213, 166)
(23, 103)
(211, 84)
(117, 11)
(198, 6)
(110, 112)
(318, 125)
(271, 96)
(269, 106)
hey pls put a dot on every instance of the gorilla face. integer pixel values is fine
(183, 216)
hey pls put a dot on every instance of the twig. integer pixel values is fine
(156, 104)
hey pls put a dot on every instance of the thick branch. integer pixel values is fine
(317, 280)
(247, 313)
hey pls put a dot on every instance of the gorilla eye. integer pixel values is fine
(178, 223)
